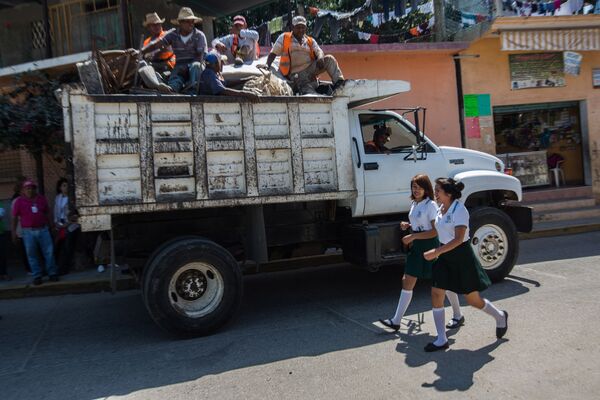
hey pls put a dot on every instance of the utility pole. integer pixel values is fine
(124, 11)
(48, 37)
(439, 14)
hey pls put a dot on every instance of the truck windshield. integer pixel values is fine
(384, 133)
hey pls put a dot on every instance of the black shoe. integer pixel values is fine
(340, 83)
(53, 278)
(500, 332)
(432, 347)
(456, 323)
(389, 324)
(37, 281)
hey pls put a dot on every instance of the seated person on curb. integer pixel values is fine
(241, 45)
(158, 64)
(380, 137)
(189, 46)
(212, 82)
(302, 60)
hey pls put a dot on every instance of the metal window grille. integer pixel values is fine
(38, 35)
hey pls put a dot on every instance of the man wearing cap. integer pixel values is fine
(213, 83)
(189, 45)
(241, 45)
(158, 64)
(302, 60)
(31, 209)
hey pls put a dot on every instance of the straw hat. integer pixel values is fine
(152, 18)
(186, 13)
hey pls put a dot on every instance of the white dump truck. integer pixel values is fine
(196, 191)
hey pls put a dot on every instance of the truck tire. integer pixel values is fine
(192, 287)
(495, 241)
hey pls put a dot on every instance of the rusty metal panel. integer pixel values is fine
(296, 145)
(225, 145)
(270, 121)
(116, 121)
(146, 153)
(225, 173)
(95, 223)
(343, 154)
(170, 112)
(171, 130)
(273, 144)
(199, 140)
(316, 120)
(173, 165)
(249, 150)
(107, 146)
(173, 189)
(274, 169)
(84, 151)
(222, 121)
(119, 179)
(319, 169)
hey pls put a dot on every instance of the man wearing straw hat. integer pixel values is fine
(158, 64)
(189, 45)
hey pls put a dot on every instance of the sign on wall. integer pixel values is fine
(536, 70)
(572, 62)
(478, 114)
(596, 76)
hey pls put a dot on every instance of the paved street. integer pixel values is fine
(311, 334)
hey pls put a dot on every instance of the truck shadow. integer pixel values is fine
(109, 346)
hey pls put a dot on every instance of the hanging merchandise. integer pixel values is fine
(364, 36)
(276, 25)
(467, 19)
(374, 39)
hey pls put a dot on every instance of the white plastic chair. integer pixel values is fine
(558, 174)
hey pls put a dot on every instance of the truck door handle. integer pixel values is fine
(370, 166)
(359, 163)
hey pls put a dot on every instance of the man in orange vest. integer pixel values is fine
(241, 45)
(159, 62)
(302, 60)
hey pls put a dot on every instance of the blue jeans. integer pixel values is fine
(186, 75)
(34, 237)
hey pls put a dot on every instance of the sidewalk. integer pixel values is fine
(87, 281)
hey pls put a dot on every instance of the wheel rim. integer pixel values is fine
(196, 289)
(490, 244)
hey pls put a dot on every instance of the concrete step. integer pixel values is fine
(564, 193)
(557, 205)
(569, 214)
(558, 228)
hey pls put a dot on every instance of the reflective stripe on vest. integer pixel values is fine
(163, 55)
(285, 61)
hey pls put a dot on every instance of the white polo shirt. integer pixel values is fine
(421, 214)
(457, 215)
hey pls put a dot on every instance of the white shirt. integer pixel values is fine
(61, 207)
(457, 215)
(421, 214)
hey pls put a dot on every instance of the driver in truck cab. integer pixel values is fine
(380, 137)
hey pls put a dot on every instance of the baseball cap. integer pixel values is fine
(211, 58)
(298, 20)
(238, 19)
(29, 183)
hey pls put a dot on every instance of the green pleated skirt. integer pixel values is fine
(416, 264)
(459, 270)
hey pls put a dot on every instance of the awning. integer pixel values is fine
(553, 40)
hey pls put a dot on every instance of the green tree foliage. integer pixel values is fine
(31, 118)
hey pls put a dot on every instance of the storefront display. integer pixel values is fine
(536, 135)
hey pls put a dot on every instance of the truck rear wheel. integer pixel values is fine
(495, 241)
(192, 287)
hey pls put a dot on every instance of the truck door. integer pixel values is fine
(389, 163)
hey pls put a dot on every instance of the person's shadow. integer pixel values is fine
(455, 368)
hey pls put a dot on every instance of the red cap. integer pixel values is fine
(29, 183)
(238, 19)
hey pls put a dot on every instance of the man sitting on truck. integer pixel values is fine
(189, 46)
(158, 64)
(380, 137)
(241, 45)
(213, 83)
(302, 60)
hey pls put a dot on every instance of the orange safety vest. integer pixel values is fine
(234, 47)
(164, 55)
(285, 62)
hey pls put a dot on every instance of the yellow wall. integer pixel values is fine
(433, 85)
(490, 74)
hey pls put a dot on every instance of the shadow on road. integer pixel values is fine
(108, 345)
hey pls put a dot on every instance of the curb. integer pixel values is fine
(568, 230)
(60, 288)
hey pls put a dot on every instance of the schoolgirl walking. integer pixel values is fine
(456, 267)
(423, 237)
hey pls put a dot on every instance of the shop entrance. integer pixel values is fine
(541, 143)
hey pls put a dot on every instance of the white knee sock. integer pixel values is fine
(440, 326)
(498, 315)
(405, 297)
(455, 303)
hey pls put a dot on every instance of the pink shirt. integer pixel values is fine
(32, 212)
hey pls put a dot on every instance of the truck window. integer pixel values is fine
(385, 134)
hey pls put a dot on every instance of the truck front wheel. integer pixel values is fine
(495, 241)
(192, 287)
